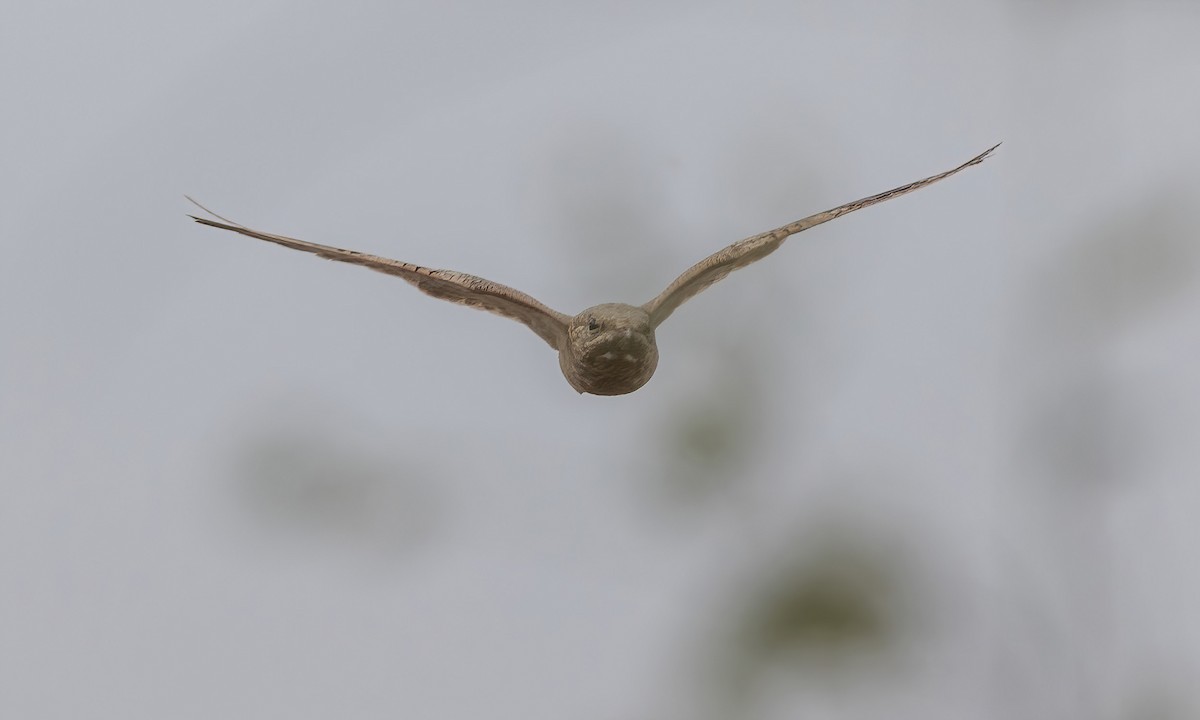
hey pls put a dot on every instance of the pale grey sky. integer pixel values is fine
(238, 481)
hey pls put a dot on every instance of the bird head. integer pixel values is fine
(613, 330)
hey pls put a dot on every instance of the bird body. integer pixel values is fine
(608, 349)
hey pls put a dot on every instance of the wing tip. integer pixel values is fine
(210, 223)
(226, 222)
(983, 155)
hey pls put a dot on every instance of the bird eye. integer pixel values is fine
(593, 325)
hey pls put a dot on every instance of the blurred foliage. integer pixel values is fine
(826, 612)
(709, 441)
(308, 484)
(832, 605)
(835, 597)
(1085, 428)
(1086, 425)
(821, 612)
(1117, 271)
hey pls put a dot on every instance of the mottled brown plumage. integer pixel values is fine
(608, 349)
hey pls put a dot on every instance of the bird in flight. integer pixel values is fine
(607, 349)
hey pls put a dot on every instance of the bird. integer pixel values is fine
(607, 349)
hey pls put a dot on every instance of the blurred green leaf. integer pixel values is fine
(833, 601)
(709, 441)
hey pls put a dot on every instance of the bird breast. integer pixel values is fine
(614, 366)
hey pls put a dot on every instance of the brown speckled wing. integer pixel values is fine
(456, 287)
(743, 252)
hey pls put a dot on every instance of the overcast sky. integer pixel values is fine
(239, 481)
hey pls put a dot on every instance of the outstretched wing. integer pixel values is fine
(743, 252)
(456, 287)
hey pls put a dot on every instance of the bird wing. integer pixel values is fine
(456, 287)
(743, 252)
